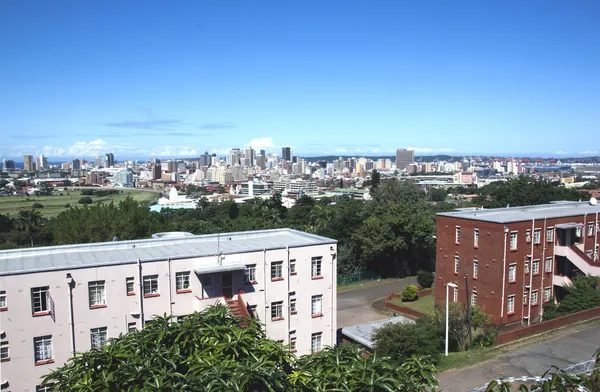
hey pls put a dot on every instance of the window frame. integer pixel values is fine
(475, 269)
(590, 229)
(455, 294)
(293, 347)
(537, 236)
(293, 306)
(316, 299)
(526, 266)
(100, 334)
(293, 267)
(510, 300)
(535, 297)
(548, 264)
(514, 235)
(276, 310)
(98, 287)
(456, 264)
(45, 343)
(528, 236)
(473, 300)
(457, 235)
(512, 267)
(4, 351)
(316, 342)
(535, 267)
(130, 325)
(547, 290)
(130, 281)
(550, 234)
(147, 283)
(316, 267)
(276, 270)
(3, 301)
(250, 274)
(525, 298)
(476, 238)
(43, 299)
(181, 277)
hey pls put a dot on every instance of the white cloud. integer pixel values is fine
(426, 150)
(560, 152)
(589, 152)
(263, 142)
(341, 150)
(175, 151)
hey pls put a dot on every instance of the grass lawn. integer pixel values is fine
(366, 283)
(423, 304)
(467, 358)
(54, 205)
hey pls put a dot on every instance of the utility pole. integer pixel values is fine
(468, 306)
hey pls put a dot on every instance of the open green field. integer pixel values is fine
(423, 304)
(54, 205)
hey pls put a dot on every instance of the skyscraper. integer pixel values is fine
(28, 163)
(172, 166)
(205, 159)
(109, 160)
(286, 154)
(76, 164)
(235, 157)
(249, 156)
(404, 158)
(42, 162)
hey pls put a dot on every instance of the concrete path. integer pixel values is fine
(531, 360)
(353, 307)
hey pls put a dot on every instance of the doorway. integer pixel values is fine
(227, 285)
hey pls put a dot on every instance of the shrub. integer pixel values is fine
(487, 338)
(37, 205)
(425, 278)
(85, 200)
(410, 293)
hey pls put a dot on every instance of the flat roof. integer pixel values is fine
(519, 214)
(52, 258)
(363, 333)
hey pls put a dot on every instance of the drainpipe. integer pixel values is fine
(333, 300)
(141, 286)
(265, 287)
(584, 230)
(595, 232)
(504, 273)
(531, 273)
(289, 315)
(170, 288)
(542, 290)
(70, 284)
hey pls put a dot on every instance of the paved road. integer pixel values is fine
(353, 307)
(531, 360)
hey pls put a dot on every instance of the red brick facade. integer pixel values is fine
(496, 259)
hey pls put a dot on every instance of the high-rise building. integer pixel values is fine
(98, 161)
(156, 172)
(8, 164)
(249, 156)
(261, 162)
(235, 156)
(262, 152)
(109, 160)
(205, 159)
(28, 163)
(404, 158)
(286, 154)
(123, 177)
(172, 166)
(42, 162)
(76, 164)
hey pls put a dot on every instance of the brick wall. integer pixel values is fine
(403, 310)
(548, 325)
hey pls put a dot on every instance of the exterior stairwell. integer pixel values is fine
(237, 306)
(579, 259)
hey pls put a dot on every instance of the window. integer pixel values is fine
(97, 294)
(474, 298)
(455, 295)
(578, 232)
(293, 267)
(548, 266)
(293, 309)
(537, 236)
(547, 294)
(151, 285)
(456, 264)
(528, 236)
(3, 304)
(550, 234)
(43, 348)
(316, 267)
(596, 252)
(250, 273)
(476, 238)
(277, 310)
(182, 281)
(475, 269)
(317, 305)
(512, 273)
(589, 253)
(276, 270)
(45, 388)
(293, 344)
(525, 298)
(535, 267)
(510, 306)
(534, 297)
(457, 235)
(98, 337)
(4, 353)
(131, 327)
(130, 286)
(513, 240)
(39, 299)
(590, 228)
(526, 265)
(316, 339)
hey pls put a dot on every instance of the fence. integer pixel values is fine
(357, 277)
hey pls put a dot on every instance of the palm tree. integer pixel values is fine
(30, 222)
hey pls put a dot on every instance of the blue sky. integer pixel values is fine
(142, 78)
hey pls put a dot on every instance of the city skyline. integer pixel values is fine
(326, 79)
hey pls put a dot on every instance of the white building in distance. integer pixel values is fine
(60, 300)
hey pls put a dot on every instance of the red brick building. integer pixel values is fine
(513, 260)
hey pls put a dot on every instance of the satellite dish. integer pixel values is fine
(593, 201)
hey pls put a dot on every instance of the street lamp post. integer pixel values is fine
(448, 285)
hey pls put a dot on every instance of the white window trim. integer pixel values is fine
(535, 297)
(535, 267)
(97, 293)
(514, 267)
(514, 235)
(147, 285)
(525, 298)
(457, 235)
(455, 295)
(456, 264)
(549, 291)
(293, 267)
(181, 278)
(316, 305)
(3, 300)
(42, 292)
(293, 306)
(550, 234)
(276, 310)
(474, 298)
(316, 342)
(250, 273)
(537, 236)
(127, 282)
(277, 270)
(509, 300)
(4, 350)
(475, 269)
(476, 238)
(316, 267)
(98, 337)
(548, 264)
(45, 344)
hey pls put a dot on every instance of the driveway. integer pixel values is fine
(531, 360)
(353, 307)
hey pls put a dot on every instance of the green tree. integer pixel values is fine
(398, 191)
(85, 200)
(582, 294)
(425, 278)
(410, 293)
(375, 179)
(30, 222)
